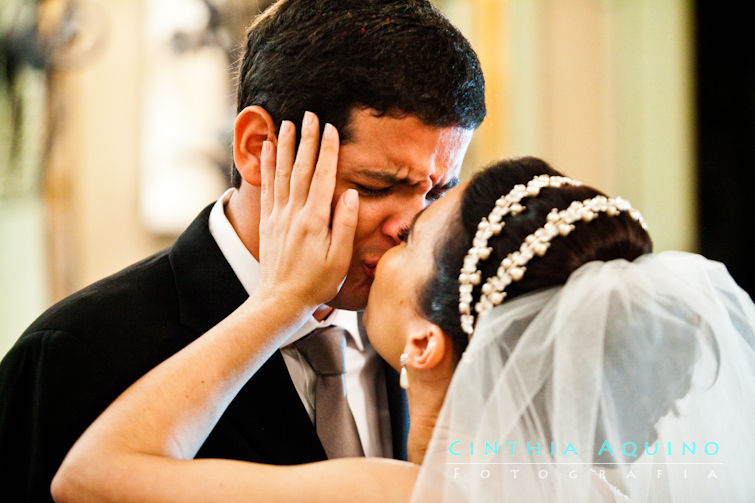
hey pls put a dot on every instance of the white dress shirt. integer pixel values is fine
(365, 381)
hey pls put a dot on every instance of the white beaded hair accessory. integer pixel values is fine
(558, 223)
(490, 226)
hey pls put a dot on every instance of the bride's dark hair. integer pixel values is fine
(605, 238)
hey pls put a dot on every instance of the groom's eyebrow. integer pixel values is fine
(391, 179)
(381, 176)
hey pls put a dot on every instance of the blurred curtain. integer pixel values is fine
(602, 89)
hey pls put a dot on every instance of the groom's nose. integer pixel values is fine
(401, 215)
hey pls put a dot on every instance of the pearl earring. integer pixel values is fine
(404, 378)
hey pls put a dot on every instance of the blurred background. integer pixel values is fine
(116, 116)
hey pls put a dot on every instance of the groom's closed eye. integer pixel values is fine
(372, 191)
(374, 184)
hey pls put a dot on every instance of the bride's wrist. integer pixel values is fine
(284, 311)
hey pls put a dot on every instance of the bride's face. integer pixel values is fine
(392, 311)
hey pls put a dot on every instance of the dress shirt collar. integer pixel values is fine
(247, 269)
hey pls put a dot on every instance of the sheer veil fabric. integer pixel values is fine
(634, 380)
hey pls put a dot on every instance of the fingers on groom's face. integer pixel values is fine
(306, 156)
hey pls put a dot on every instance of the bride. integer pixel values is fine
(547, 356)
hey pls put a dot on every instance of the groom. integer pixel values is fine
(405, 91)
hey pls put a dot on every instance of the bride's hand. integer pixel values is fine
(304, 254)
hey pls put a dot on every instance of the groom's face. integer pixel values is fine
(398, 166)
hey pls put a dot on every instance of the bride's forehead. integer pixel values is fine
(432, 220)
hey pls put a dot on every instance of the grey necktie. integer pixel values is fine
(324, 350)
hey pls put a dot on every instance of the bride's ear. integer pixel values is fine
(252, 127)
(426, 349)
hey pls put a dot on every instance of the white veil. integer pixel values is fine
(558, 387)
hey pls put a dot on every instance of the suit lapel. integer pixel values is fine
(267, 412)
(207, 287)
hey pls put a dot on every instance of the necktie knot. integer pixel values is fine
(324, 350)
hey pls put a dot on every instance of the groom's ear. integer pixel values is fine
(427, 348)
(252, 127)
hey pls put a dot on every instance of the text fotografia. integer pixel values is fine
(606, 449)
(630, 474)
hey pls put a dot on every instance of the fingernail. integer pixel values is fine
(285, 127)
(308, 119)
(267, 147)
(329, 131)
(350, 198)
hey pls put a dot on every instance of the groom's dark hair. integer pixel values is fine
(605, 238)
(400, 58)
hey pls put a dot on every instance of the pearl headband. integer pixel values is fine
(512, 267)
(490, 226)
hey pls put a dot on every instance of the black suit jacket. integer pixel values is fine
(84, 351)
